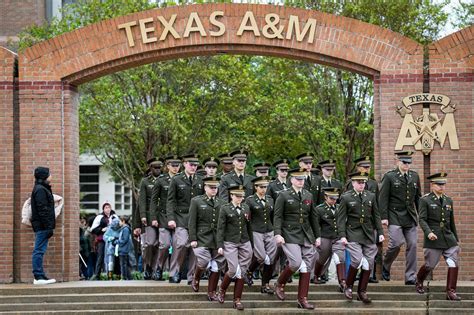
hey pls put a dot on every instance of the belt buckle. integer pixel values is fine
(441, 224)
(301, 220)
(361, 220)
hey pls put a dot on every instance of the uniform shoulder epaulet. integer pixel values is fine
(162, 175)
(425, 195)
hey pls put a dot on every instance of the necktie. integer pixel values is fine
(284, 185)
(333, 209)
(191, 180)
(212, 202)
(238, 210)
(329, 182)
(299, 194)
(308, 179)
(406, 177)
(441, 200)
(241, 177)
(360, 197)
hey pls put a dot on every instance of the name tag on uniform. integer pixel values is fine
(352, 203)
(166, 187)
(433, 205)
(203, 206)
(181, 186)
(291, 201)
(150, 186)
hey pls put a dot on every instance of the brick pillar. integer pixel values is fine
(452, 74)
(49, 136)
(7, 192)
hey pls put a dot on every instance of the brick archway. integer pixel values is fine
(46, 130)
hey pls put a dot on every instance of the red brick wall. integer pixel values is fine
(16, 15)
(7, 191)
(393, 61)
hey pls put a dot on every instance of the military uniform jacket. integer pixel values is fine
(232, 226)
(439, 219)
(231, 179)
(371, 185)
(313, 185)
(295, 218)
(399, 198)
(159, 198)
(326, 220)
(357, 218)
(275, 188)
(260, 213)
(144, 197)
(334, 183)
(203, 216)
(180, 194)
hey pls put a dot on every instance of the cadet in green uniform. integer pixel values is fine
(210, 166)
(159, 198)
(226, 163)
(441, 238)
(237, 176)
(328, 242)
(234, 236)
(357, 218)
(280, 183)
(264, 245)
(363, 164)
(327, 180)
(261, 169)
(312, 182)
(203, 216)
(183, 187)
(398, 202)
(295, 229)
(149, 239)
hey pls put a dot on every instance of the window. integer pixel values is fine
(89, 187)
(123, 198)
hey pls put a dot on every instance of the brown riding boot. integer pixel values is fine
(420, 277)
(212, 286)
(266, 277)
(252, 267)
(318, 268)
(341, 276)
(303, 288)
(362, 287)
(350, 282)
(238, 288)
(197, 277)
(282, 280)
(451, 283)
(224, 285)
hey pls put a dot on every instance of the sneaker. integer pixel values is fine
(43, 280)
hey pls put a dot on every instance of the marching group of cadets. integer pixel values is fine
(232, 224)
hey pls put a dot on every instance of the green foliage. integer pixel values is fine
(464, 14)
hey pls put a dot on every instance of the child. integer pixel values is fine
(125, 244)
(110, 238)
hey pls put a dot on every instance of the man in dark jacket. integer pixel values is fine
(43, 221)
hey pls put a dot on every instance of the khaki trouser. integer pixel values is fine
(238, 254)
(264, 244)
(397, 237)
(433, 255)
(296, 254)
(357, 251)
(181, 248)
(204, 255)
(327, 248)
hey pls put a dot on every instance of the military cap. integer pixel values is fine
(238, 190)
(201, 171)
(239, 154)
(192, 157)
(172, 158)
(359, 176)
(211, 180)
(156, 162)
(262, 166)
(226, 158)
(298, 172)
(211, 161)
(331, 191)
(327, 164)
(363, 161)
(404, 156)
(281, 164)
(438, 178)
(261, 180)
(307, 156)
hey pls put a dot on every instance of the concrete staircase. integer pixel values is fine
(151, 297)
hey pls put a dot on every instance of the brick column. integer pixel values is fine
(7, 192)
(49, 136)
